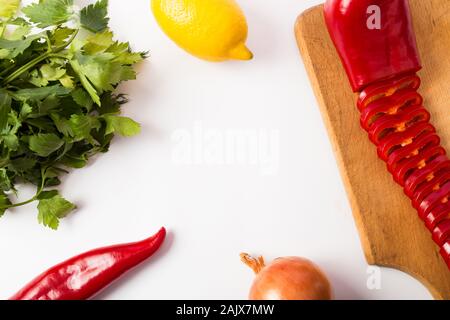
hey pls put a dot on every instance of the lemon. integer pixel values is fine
(213, 30)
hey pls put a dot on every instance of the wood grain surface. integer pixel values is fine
(391, 232)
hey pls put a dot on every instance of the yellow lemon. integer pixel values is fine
(214, 30)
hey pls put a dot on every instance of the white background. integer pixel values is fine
(213, 212)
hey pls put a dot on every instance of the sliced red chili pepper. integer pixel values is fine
(419, 144)
(389, 124)
(370, 55)
(425, 174)
(441, 232)
(426, 188)
(389, 106)
(437, 215)
(408, 166)
(401, 139)
(388, 88)
(445, 252)
(381, 64)
(433, 200)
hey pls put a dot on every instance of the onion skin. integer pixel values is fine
(291, 278)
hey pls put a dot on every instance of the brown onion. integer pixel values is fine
(288, 278)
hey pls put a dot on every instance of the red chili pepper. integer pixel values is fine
(371, 55)
(428, 187)
(440, 195)
(438, 215)
(402, 139)
(442, 232)
(416, 180)
(445, 252)
(381, 60)
(388, 105)
(386, 89)
(418, 146)
(396, 122)
(80, 277)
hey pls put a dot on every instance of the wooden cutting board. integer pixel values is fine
(391, 232)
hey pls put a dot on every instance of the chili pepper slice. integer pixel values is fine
(401, 139)
(427, 188)
(80, 277)
(431, 201)
(389, 106)
(437, 215)
(418, 146)
(445, 252)
(388, 88)
(408, 166)
(442, 232)
(381, 64)
(389, 124)
(426, 174)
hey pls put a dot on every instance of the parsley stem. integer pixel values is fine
(65, 45)
(49, 44)
(3, 27)
(15, 205)
(25, 68)
(36, 196)
(37, 60)
(7, 70)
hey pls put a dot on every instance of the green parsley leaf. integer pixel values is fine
(8, 8)
(94, 17)
(67, 81)
(22, 164)
(82, 98)
(5, 182)
(52, 207)
(12, 48)
(62, 125)
(97, 69)
(99, 42)
(60, 35)
(75, 161)
(5, 108)
(36, 94)
(51, 73)
(11, 141)
(81, 127)
(111, 104)
(45, 144)
(85, 82)
(48, 105)
(19, 33)
(25, 111)
(58, 100)
(48, 13)
(4, 203)
(124, 126)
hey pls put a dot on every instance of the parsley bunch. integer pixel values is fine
(59, 68)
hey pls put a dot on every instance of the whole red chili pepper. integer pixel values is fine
(377, 45)
(80, 277)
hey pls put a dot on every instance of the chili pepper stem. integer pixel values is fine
(256, 264)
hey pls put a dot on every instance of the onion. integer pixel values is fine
(288, 278)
